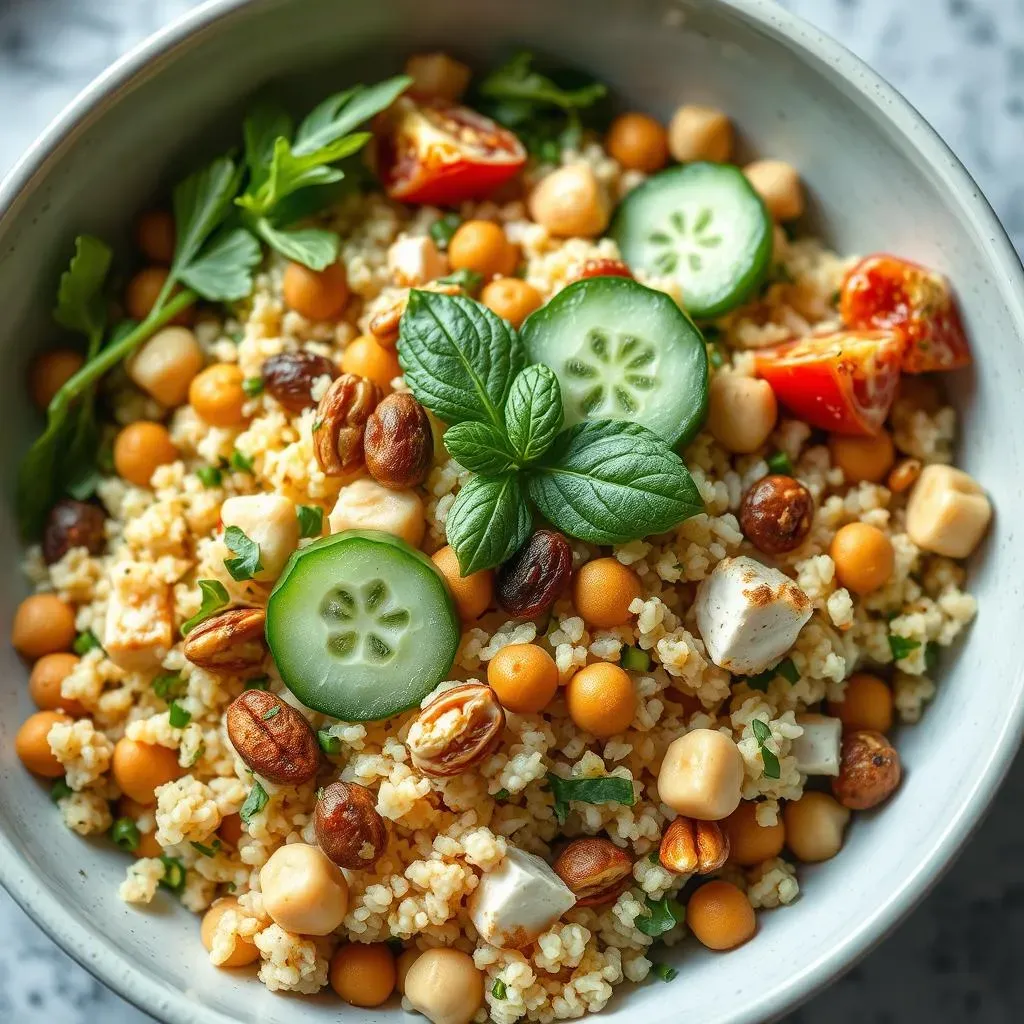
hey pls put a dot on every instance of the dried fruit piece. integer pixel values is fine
(73, 524)
(691, 847)
(289, 377)
(530, 581)
(348, 827)
(340, 422)
(596, 871)
(228, 642)
(869, 771)
(272, 738)
(776, 514)
(398, 443)
(456, 731)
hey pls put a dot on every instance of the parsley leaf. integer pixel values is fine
(442, 230)
(80, 303)
(311, 520)
(605, 790)
(86, 642)
(201, 203)
(523, 89)
(659, 917)
(240, 463)
(207, 851)
(258, 683)
(312, 247)
(168, 685)
(254, 803)
(222, 272)
(762, 733)
(785, 668)
(214, 597)
(60, 790)
(902, 646)
(209, 476)
(489, 522)
(533, 412)
(779, 462)
(499, 990)
(329, 743)
(246, 562)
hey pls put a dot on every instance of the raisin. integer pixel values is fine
(289, 377)
(73, 524)
(776, 514)
(530, 581)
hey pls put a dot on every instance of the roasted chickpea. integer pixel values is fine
(511, 298)
(869, 770)
(776, 514)
(44, 683)
(571, 201)
(749, 842)
(366, 357)
(778, 184)
(140, 448)
(481, 246)
(524, 676)
(700, 133)
(863, 556)
(741, 412)
(231, 830)
(49, 372)
(638, 143)
(217, 395)
(601, 699)
(720, 915)
(155, 236)
(316, 294)
(303, 891)
(701, 775)
(473, 593)
(814, 826)
(43, 624)
(603, 590)
(363, 974)
(32, 746)
(863, 458)
(405, 961)
(445, 986)
(867, 704)
(165, 365)
(139, 769)
(144, 289)
(243, 951)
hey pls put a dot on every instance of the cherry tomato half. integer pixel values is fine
(843, 382)
(440, 154)
(599, 268)
(886, 293)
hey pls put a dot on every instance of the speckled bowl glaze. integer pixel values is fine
(879, 179)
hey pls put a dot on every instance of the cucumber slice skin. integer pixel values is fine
(669, 359)
(654, 220)
(413, 614)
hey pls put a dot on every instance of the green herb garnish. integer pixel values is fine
(60, 790)
(177, 716)
(246, 562)
(468, 280)
(254, 803)
(174, 874)
(502, 794)
(762, 733)
(240, 463)
(207, 851)
(253, 386)
(779, 462)
(272, 713)
(634, 659)
(125, 834)
(664, 972)
(329, 743)
(608, 789)
(258, 683)
(441, 230)
(659, 917)
(85, 642)
(498, 989)
(168, 685)
(214, 597)
(209, 476)
(902, 646)
(785, 668)
(931, 657)
(311, 520)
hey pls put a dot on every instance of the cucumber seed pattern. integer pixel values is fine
(363, 622)
(609, 375)
(690, 237)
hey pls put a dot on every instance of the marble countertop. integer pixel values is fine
(961, 62)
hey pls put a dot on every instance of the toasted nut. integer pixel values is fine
(340, 421)
(691, 847)
(398, 442)
(869, 772)
(272, 738)
(904, 475)
(776, 514)
(228, 642)
(596, 871)
(456, 731)
(348, 827)
(384, 325)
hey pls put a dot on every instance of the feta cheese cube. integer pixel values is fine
(138, 627)
(749, 615)
(415, 261)
(518, 901)
(817, 750)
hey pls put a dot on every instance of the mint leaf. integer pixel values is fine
(659, 917)
(488, 523)
(246, 562)
(311, 520)
(201, 202)
(533, 412)
(762, 733)
(608, 481)
(902, 646)
(517, 81)
(458, 357)
(81, 306)
(222, 272)
(608, 789)
(479, 448)
(344, 111)
(254, 803)
(312, 247)
(215, 597)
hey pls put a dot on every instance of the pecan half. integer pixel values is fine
(596, 871)
(228, 642)
(348, 827)
(340, 421)
(456, 731)
(691, 847)
(272, 738)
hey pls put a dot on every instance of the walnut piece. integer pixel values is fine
(228, 642)
(692, 847)
(398, 442)
(272, 738)
(348, 827)
(456, 731)
(340, 421)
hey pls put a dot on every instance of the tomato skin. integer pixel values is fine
(440, 154)
(599, 268)
(844, 382)
(884, 292)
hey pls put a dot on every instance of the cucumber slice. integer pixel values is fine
(702, 224)
(623, 351)
(361, 626)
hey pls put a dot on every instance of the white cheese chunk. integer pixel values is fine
(518, 901)
(749, 615)
(137, 632)
(817, 750)
(269, 520)
(415, 261)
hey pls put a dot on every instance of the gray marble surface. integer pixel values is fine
(962, 63)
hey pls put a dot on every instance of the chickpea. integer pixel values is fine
(700, 133)
(720, 915)
(814, 826)
(144, 289)
(363, 974)
(701, 775)
(437, 76)
(511, 298)
(571, 202)
(405, 961)
(863, 458)
(141, 768)
(864, 557)
(867, 704)
(165, 365)
(525, 678)
(473, 593)
(140, 448)
(749, 842)
(778, 184)
(741, 412)
(303, 891)
(316, 294)
(638, 143)
(45, 681)
(243, 951)
(43, 624)
(445, 986)
(33, 748)
(231, 830)
(603, 590)
(155, 236)
(601, 699)
(217, 395)
(49, 372)
(481, 246)
(148, 846)
(366, 357)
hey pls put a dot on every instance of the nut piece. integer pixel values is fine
(398, 442)
(528, 583)
(73, 524)
(456, 731)
(289, 377)
(228, 642)
(340, 420)
(691, 847)
(348, 827)
(384, 325)
(869, 772)
(596, 871)
(272, 738)
(776, 514)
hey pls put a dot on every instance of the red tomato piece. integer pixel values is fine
(843, 382)
(440, 154)
(886, 293)
(599, 268)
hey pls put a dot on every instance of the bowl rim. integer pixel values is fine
(137, 984)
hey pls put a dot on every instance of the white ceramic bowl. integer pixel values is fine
(879, 179)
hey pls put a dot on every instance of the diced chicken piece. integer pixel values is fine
(368, 505)
(817, 750)
(138, 631)
(415, 261)
(749, 615)
(269, 520)
(518, 901)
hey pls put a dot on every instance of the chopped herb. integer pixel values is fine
(168, 685)
(231, 887)
(502, 794)
(902, 646)
(467, 280)
(207, 851)
(665, 972)
(788, 670)
(835, 297)
(931, 657)
(654, 856)
(635, 660)
(246, 562)
(194, 759)
(86, 642)
(125, 834)
(253, 386)
(761, 680)
(254, 803)
(214, 597)
(659, 916)
(178, 716)
(498, 990)
(236, 334)
(60, 791)
(329, 743)
(209, 476)
(258, 683)
(174, 874)
(716, 357)
(240, 463)
(606, 790)
(785, 668)
(762, 733)
(779, 462)
(272, 713)
(311, 520)
(441, 230)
